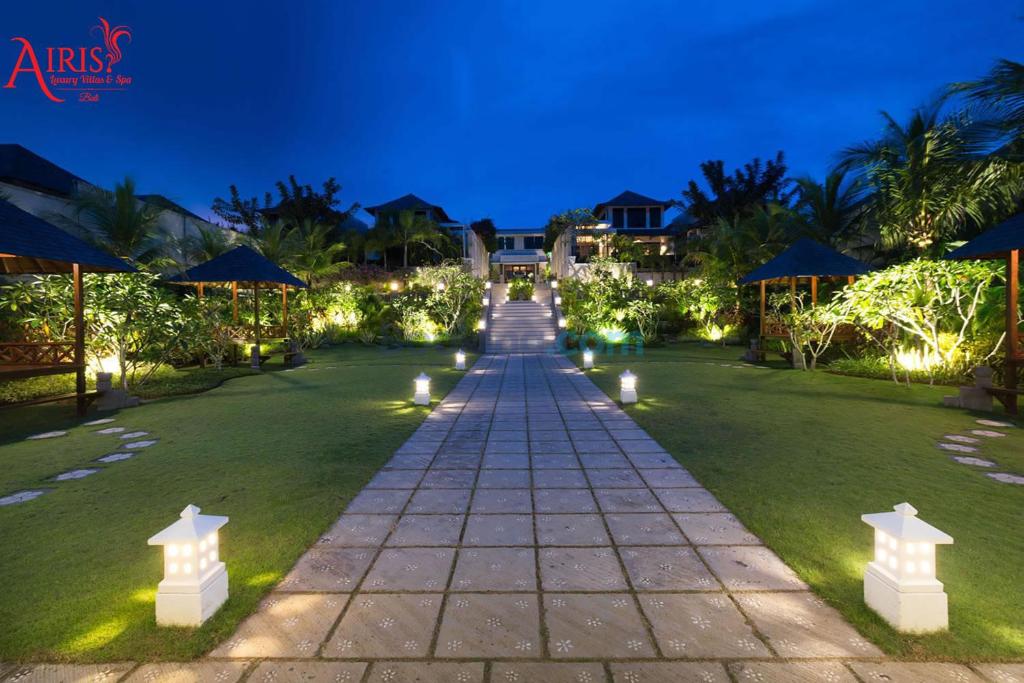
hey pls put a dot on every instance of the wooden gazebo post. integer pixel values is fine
(256, 321)
(1013, 353)
(284, 307)
(234, 301)
(80, 403)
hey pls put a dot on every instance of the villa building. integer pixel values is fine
(520, 253)
(632, 214)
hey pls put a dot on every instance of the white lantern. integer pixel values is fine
(627, 387)
(460, 360)
(195, 581)
(487, 285)
(482, 324)
(393, 286)
(588, 359)
(561, 322)
(900, 583)
(650, 282)
(440, 286)
(554, 284)
(558, 300)
(422, 395)
(487, 301)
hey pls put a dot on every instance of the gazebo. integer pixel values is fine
(805, 259)
(1004, 242)
(30, 245)
(243, 267)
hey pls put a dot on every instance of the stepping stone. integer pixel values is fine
(958, 447)
(46, 435)
(477, 626)
(698, 625)
(426, 672)
(834, 672)
(911, 672)
(71, 673)
(101, 421)
(987, 432)
(178, 672)
(327, 570)
(658, 672)
(386, 625)
(1007, 478)
(20, 497)
(975, 462)
(595, 626)
(140, 444)
(548, 672)
(110, 430)
(1002, 673)
(115, 457)
(133, 435)
(343, 672)
(750, 567)
(285, 625)
(960, 438)
(995, 423)
(74, 474)
(801, 625)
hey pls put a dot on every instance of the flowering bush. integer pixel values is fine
(612, 304)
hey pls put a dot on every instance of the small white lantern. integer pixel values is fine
(561, 322)
(558, 300)
(440, 286)
(650, 282)
(195, 581)
(422, 395)
(482, 324)
(554, 284)
(627, 387)
(487, 301)
(487, 285)
(460, 360)
(393, 286)
(900, 582)
(588, 359)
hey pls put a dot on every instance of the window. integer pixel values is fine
(506, 243)
(618, 218)
(533, 242)
(655, 216)
(637, 217)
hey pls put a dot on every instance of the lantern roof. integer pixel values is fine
(904, 524)
(422, 376)
(191, 527)
(627, 373)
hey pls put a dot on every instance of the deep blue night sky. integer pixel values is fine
(511, 110)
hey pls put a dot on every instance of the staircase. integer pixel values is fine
(521, 326)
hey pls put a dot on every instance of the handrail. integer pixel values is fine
(37, 353)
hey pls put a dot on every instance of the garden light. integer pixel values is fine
(627, 387)
(900, 582)
(440, 286)
(558, 300)
(561, 321)
(487, 285)
(649, 282)
(554, 284)
(195, 581)
(422, 395)
(487, 301)
(481, 325)
(588, 359)
(393, 286)
(460, 360)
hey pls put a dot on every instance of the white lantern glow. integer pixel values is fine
(487, 285)
(460, 360)
(440, 286)
(393, 286)
(627, 387)
(482, 324)
(487, 301)
(558, 300)
(900, 583)
(422, 395)
(650, 282)
(561, 322)
(195, 582)
(588, 359)
(554, 284)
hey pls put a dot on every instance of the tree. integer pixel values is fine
(811, 326)
(1001, 93)
(484, 228)
(314, 256)
(242, 214)
(737, 245)
(559, 223)
(297, 203)
(746, 189)
(275, 241)
(831, 212)
(119, 222)
(408, 228)
(206, 244)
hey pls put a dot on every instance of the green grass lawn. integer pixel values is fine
(280, 453)
(799, 456)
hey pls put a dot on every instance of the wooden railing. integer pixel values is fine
(37, 353)
(245, 332)
(777, 329)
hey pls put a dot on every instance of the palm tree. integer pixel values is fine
(275, 241)
(832, 212)
(120, 223)
(413, 229)
(207, 244)
(741, 243)
(315, 256)
(1001, 94)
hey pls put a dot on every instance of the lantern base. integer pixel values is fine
(178, 606)
(588, 363)
(924, 610)
(460, 365)
(627, 396)
(421, 399)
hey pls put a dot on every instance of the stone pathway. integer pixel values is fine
(963, 443)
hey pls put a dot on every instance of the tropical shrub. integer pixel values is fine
(709, 306)
(612, 304)
(520, 289)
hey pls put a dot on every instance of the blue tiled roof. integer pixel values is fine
(20, 166)
(409, 202)
(630, 198)
(994, 243)
(241, 264)
(807, 258)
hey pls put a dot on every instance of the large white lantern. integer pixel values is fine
(460, 360)
(558, 300)
(900, 583)
(627, 387)
(487, 301)
(588, 359)
(487, 285)
(649, 282)
(195, 581)
(481, 324)
(422, 395)
(554, 284)
(393, 286)
(561, 322)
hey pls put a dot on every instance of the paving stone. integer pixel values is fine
(285, 625)
(386, 625)
(396, 479)
(358, 530)
(456, 462)
(20, 497)
(792, 672)
(973, 462)
(562, 461)
(960, 438)
(426, 672)
(667, 569)
(101, 421)
(569, 530)
(715, 529)
(334, 570)
(133, 435)
(580, 569)
(957, 447)
(750, 568)
(1007, 478)
(517, 447)
(615, 478)
(599, 449)
(698, 625)
(669, 478)
(68, 673)
(992, 434)
(427, 530)
(914, 672)
(498, 530)
(995, 423)
(506, 461)
(802, 625)
(75, 474)
(495, 569)
(564, 500)
(642, 446)
(503, 501)
(409, 462)
(549, 435)
(480, 625)
(115, 457)
(626, 500)
(653, 460)
(546, 672)
(689, 500)
(305, 671)
(604, 461)
(644, 529)
(504, 479)
(46, 435)
(452, 501)
(605, 626)
(1002, 673)
(379, 502)
(669, 672)
(559, 479)
(422, 569)
(110, 430)
(190, 672)
(134, 445)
